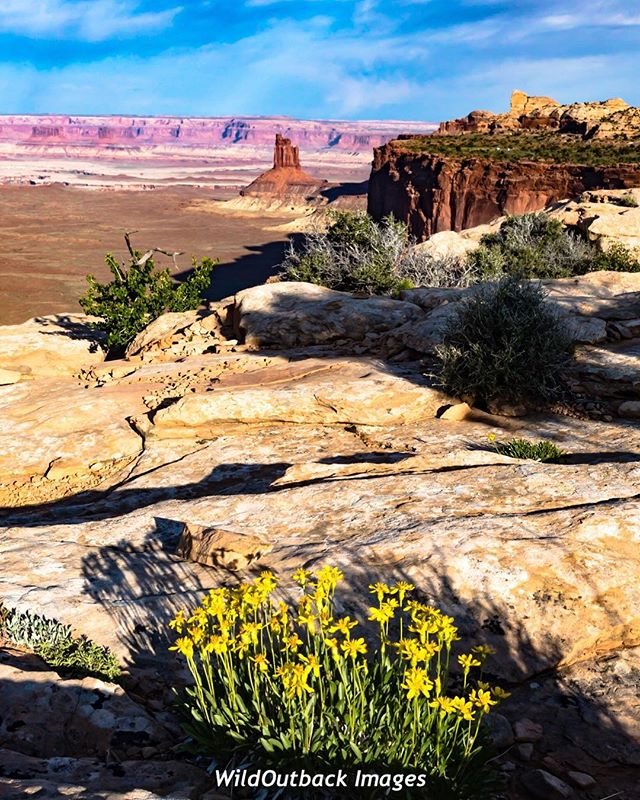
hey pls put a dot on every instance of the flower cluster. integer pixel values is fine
(299, 679)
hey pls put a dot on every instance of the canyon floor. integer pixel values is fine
(52, 236)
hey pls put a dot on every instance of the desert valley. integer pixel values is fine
(413, 382)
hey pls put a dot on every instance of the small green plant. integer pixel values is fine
(291, 683)
(56, 645)
(504, 343)
(140, 293)
(80, 657)
(617, 258)
(626, 200)
(524, 448)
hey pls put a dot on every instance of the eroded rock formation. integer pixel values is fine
(286, 178)
(608, 119)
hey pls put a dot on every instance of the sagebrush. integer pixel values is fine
(139, 293)
(295, 682)
(537, 246)
(356, 254)
(504, 343)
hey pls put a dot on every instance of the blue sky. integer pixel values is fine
(400, 59)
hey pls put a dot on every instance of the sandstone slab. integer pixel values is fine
(54, 345)
(313, 391)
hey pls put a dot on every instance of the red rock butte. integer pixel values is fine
(286, 178)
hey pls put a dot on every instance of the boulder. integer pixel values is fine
(447, 244)
(290, 314)
(603, 217)
(311, 392)
(217, 547)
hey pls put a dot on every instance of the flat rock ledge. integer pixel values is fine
(306, 420)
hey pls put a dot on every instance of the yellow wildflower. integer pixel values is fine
(293, 643)
(482, 700)
(382, 614)
(249, 632)
(183, 645)
(260, 660)
(416, 683)
(330, 575)
(219, 644)
(403, 588)
(380, 590)
(178, 622)
(444, 705)
(500, 694)
(483, 650)
(313, 662)
(299, 676)
(463, 708)
(351, 648)
(196, 633)
(468, 661)
(199, 617)
(302, 577)
(343, 626)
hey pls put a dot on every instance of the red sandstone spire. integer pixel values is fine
(285, 154)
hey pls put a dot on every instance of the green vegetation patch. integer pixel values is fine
(542, 450)
(140, 293)
(536, 246)
(76, 657)
(545, 147)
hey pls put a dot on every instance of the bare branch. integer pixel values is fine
(127, 238)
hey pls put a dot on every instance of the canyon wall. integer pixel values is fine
(485, 165)
(112, 133)
(433, 193)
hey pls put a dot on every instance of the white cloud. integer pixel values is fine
(90, 20)
(345, 75)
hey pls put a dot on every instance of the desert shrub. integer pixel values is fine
(531, 246)
(548, 147)
(140, 293)
(504, 343)
(526, 449)
(56, 645)
(617, 258)
(356, 254)
(626, 200)
(294, 683)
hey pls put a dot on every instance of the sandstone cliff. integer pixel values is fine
(486, 165)
(436, 193)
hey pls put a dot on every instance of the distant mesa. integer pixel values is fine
(286, 178)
